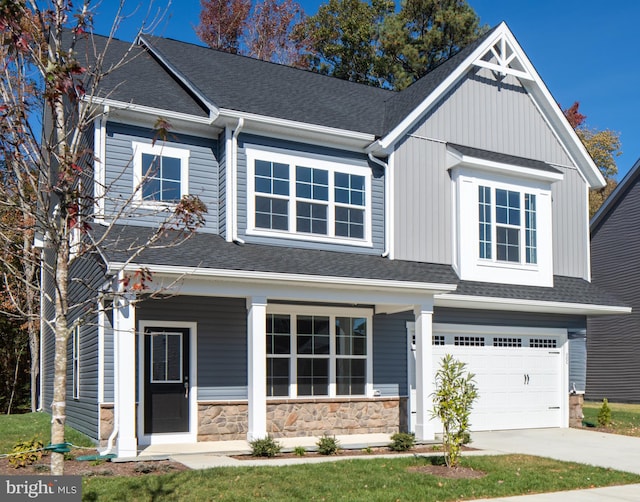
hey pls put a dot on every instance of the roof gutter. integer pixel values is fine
(258, 276)
(515, 304)
(148, 110)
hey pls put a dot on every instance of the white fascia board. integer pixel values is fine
(521, 305)
(272, 277)
(150, 110)
(360, 138)
(457, 159)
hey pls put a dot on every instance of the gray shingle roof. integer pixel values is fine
(504, 158)
(249, 85)
(140, 80)
(213, 252)
(209, 251)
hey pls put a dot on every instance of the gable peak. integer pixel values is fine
(504, 57)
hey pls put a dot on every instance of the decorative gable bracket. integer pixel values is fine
(503, 59)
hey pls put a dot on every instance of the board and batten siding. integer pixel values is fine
(613, 342)
(222, 340)
(203, 173)
(481, 113)
(332, 155)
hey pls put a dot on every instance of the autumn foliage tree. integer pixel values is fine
(262, 30)
(54, 67)
(603, 146)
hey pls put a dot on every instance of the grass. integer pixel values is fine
(625, 418)
(358, 480)
(14, 428)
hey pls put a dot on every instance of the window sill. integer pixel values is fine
(327, 399)
(508, 265)
(309, 238)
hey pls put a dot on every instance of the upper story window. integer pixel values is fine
(503, 217)
(160, 173)
(507, 225)
(307, 198)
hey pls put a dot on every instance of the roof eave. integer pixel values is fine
(453, 300)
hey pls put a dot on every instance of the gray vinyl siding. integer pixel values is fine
(48, 340)
(501, 118)
(577, 360)
(203, 173)
(222, 186)
(222, 340)
(613, 342)
(423, 220)
(108, 370)
(505, 318)
(377, 195)
(390, 353)
(570, 226)
(82, 413)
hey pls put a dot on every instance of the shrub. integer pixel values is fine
(300, 451)
(452, 403)
(402, 441)
(328, 445)
(604, 415)
(266, 447)
(26, 453)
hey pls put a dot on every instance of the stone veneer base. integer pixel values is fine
(220, 421)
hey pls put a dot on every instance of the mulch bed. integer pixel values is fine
(74, 467)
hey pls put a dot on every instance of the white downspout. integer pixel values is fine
(387, 213)
(234, 174)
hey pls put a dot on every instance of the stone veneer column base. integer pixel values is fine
(575, 410)
(106, 422)
(223, 420)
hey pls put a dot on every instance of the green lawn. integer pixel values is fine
(354, 480)
(14, 428)
(625, 417)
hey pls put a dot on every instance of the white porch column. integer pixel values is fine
(257, 367)
(124, 319)
(424, 381)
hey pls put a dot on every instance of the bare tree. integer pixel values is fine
(53, 70)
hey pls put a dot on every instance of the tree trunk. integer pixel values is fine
(58, 406)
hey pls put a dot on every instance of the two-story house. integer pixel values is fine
(354, 236)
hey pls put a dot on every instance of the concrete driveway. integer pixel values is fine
(574, 445)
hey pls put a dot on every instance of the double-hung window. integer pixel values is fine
(507, 225)
(307, 198)
(160, 173)
(318, 354)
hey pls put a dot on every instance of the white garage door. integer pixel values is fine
(519, 376)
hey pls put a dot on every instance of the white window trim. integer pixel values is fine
(159, 149)
(467, 261)
(332, 313)
(274, 155)
(75, 362)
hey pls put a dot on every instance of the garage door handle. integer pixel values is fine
(526, 379)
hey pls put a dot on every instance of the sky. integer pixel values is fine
(584, 50)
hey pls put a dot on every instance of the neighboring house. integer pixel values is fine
(354, 236)
(613, 342)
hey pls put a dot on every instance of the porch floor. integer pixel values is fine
(239, 447)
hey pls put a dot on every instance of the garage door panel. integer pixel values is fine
(519, 387)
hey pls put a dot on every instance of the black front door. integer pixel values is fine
(166, 376)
